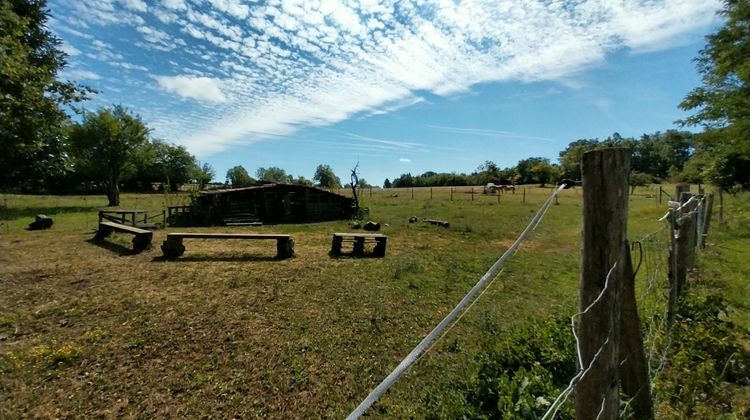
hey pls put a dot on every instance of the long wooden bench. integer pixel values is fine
(141, 239)
(359, 240)
(173, 247)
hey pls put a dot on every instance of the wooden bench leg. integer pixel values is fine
(103, 232)
(336, 245)
(359, 246)
(284, 248)
(172, 248)
(379, 250)
(141, 242)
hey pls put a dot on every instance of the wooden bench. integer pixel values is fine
(359, 240)
(173, 247)
(141, 240)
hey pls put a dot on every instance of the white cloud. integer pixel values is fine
(404, 160)
(175, 4)
(202, 89)
(299, 63)
(135, 5)
(81, 74)
(69, 49)
(232, 7)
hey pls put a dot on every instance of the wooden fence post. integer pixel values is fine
(679, 189)
(430, 193)
(633, 368)
(605, 209)
(684, 253)
(412, 193)
(524, 195)
(721, 204)
(672, 271)
(472, 193)
(451, 193)
(660, 193)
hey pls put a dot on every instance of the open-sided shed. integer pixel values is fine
(269, 203)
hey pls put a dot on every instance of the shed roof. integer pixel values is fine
(265, 186)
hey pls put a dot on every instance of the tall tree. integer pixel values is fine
(204, 174)
(488, 172)
(273, 174)
(325, 177)
(174, 164)
(103, 146)
(545, 172)
(387, 183)
(526, 176)
(570, 158)
(32, 100)
(301, 180)
(722, 102)
(238, 177)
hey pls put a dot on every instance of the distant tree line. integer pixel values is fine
(655, 157)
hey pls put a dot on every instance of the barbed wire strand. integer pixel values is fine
(560, 400)
(412, 357)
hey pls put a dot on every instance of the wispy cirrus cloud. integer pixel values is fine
(483, 132)
(262, 70)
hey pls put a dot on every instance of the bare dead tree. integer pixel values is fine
(354, 185)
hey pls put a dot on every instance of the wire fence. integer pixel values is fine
(656, 267)
(434, 335)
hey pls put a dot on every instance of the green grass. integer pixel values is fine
(93, 330)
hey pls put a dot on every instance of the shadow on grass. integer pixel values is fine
(218, 258)
(111, 246)
(13, 213)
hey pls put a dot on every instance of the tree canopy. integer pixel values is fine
(103, 146)
(722, 102)
(238, 177)
(325, 177)
(33, 102)
(273, 174)
(204, 174)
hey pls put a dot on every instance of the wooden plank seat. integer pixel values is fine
(141, 239)
(359, 240)
(173, 247)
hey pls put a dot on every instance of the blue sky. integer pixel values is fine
(406, 86)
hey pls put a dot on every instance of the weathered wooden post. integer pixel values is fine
(721, 204)
(524, 195)
(682, 246)
(633, 368)
(451, 193)
(679, 189)
(472, 193)
(605, 209)
(660, 193)
(412, 193)
(672, 268)
(498, 198)
(430, 193)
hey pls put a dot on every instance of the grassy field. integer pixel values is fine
(88, 328)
